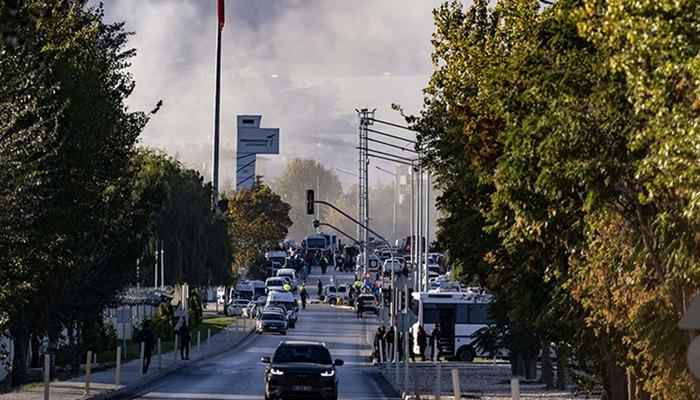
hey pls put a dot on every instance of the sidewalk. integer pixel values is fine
(485, 381)
(102, 384)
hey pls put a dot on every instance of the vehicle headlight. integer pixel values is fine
(328, 373)
(274, 371)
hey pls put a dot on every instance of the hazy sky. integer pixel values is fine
(303, 65)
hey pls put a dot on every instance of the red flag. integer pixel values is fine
(221, 14)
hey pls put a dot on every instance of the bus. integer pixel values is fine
(460, 315)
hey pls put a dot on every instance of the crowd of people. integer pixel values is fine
(383, 349)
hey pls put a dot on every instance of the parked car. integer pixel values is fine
(271, 321)
(250, 310)
(367, 303)
(331, 293)
(237, 305)
(301, 369)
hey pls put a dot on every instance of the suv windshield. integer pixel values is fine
(272, 317)
(302, 354)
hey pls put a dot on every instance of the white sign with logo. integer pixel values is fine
(258, 140)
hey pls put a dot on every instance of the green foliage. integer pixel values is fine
(177, 204)
(100, 337)
(298, 176)
(565, 142)
(258, 222)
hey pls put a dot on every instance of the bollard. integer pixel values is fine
(88, 369)
(455, 384)
(160, 363)
(515, 388)
(199, 341)
(94, 359)
(407, 353)
(118, 370)
(175, 348)
(416, 392)
(143, 350)
(47, 375)
(208, 340)
(438, 382)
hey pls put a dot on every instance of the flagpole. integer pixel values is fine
(215, 151)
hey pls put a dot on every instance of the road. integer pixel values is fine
(238, 374)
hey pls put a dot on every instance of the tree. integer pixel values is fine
(177, 205)
(79, 139)
(298, 176)
(258, 222)
(564, 138)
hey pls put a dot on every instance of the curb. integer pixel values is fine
(147, 380)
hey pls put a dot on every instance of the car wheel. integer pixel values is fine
(465, 354)
(284, 333)
(332, 301)
(292, 326)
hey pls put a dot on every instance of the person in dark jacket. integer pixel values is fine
(304, 295)
(389, 340)
(320, 288)
(146, 337)
(184, 333)
(379, 338)
(422, 340)
(436, 347)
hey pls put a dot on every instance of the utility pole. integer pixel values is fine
(366, 116)
(217, 108)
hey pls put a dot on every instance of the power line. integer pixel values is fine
(393, 124)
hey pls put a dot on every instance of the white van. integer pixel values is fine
(277, 256)
(275, 284)
(289, 272)
(285, 299)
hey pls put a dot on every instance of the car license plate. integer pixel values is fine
(273, 327)
(301, 388)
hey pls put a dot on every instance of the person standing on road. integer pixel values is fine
(324, 264)
(184, 333)
(389, 340)
(436, 347)
(379, 338)
(304, 272)
(358, 307)
(320, 288)
(422, 339)
(148, 339)
(304, 295)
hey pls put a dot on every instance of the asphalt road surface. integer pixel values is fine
(238, 374)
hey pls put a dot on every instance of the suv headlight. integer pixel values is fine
(328, 373)
(274, 371)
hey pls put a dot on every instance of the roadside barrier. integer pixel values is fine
(88, 370)
(118, 369)
(455, 384)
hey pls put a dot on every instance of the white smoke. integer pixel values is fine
(304, 65)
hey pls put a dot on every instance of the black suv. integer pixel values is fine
(301, 370)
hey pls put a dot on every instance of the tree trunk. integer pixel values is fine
(19, 358)
(73, 349)
(562, 360)
(615, 383)
(531, 365)
(547, 368)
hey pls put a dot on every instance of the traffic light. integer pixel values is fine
(316, 224)
(310, 206)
